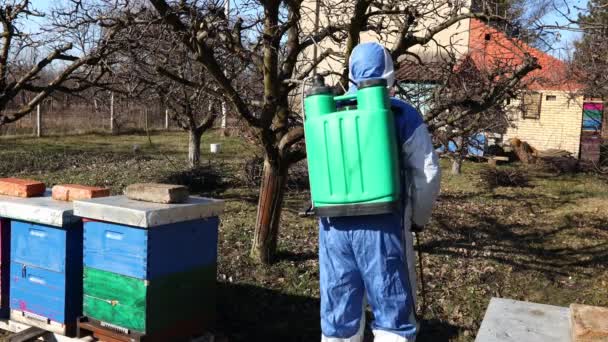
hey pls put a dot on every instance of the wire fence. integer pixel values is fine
(57, 119)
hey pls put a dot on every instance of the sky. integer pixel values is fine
(559, 17)
(560, 48)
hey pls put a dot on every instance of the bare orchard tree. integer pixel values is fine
(276, 37)
(61, 50)
(590, 59)
(466, 99)
(168, 72)
(463, 95)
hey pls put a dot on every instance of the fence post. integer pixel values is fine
(146, 119)
(167, 119)
(223, 124)
(224, 115)
(112, 112)
(38, 121)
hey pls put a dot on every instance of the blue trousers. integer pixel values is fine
(364, 254)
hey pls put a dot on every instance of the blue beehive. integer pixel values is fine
(45, 262)
(5, 246)
(150, 268)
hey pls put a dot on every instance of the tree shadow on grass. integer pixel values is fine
(284, 255)
(204, 180)
(524, 246)
(252, 313)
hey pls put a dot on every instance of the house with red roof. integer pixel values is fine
(552, 115)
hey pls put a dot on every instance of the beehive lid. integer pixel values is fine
(125, 211)
(40, 210)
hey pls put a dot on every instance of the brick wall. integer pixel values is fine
(559, 126)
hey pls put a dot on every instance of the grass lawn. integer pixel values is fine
(547, 243)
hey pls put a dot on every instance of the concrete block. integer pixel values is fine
(588, 323)
(17, 187)
(157, 193)
(509, 320)
(74, 192)
(41, 210)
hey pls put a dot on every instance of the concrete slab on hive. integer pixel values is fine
(157, 193)
(125, 211)
(509, 320)
(588, 323)
(41, 210)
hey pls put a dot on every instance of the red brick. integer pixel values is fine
(588, 323)
(21, 187)
(74, 192)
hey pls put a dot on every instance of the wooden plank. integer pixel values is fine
(149, 307)
(48, 325)
(39, 245)
(29, 334)
(38, 292)
(149, 254)
(500, 158)
(46, 271)
(116, 248)
(190, 330)
(510, 321)
(15, 327)
(115, 299)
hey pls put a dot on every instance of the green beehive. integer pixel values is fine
(352, 154)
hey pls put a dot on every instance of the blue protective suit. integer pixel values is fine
(373, 256)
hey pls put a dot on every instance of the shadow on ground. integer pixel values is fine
(528, 244)
(252, 313)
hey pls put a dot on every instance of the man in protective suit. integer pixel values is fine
(373, 256)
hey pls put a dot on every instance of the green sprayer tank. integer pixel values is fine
(353, 163)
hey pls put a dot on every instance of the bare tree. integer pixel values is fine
(63, 54)
(466, 98)
(167, 72)
(277, 38)
(590, 60)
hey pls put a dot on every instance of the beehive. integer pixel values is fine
(45, 262)
(149, 267)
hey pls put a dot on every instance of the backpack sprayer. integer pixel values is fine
(353, 162)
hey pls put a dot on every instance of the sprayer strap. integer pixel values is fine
(359, 209)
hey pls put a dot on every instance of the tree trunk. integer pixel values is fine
(457, 165)
(270, 205)
(194, 147)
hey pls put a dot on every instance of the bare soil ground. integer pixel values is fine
(546, 243)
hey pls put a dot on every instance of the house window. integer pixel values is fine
(551, 98)
(531, 105)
